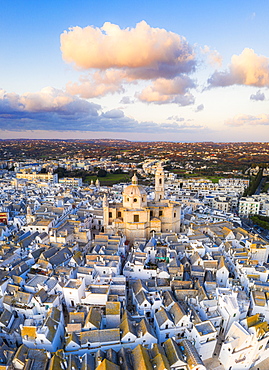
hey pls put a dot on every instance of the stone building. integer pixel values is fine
(136, 217)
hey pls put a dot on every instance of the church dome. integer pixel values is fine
(133, 190)
(134, 195)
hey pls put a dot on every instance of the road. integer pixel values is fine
(258, 190)
(248, 225)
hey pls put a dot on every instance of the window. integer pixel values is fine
(160, 181)
(175, 214)
(135, 200)
(151, 213)
(136, 218)
(119, 214)
(110, 214)
(160, 213)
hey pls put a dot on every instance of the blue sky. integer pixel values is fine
(155, 70)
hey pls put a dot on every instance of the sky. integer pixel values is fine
(173, 70)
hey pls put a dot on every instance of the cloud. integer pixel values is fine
(114, 113)
(213, 56)
(181, 126)
(149, 52)
(248, 68)
(169, 91)
(47, 100)
(115, 57)
(54, 110)
(176, 118)
(244, 119)
(126, 100)
(199, 108)
(98, 84)
(258, 96)
(48, 109)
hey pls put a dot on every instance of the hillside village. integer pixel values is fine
(132, 277)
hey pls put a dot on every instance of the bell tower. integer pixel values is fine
(29, 215)
(159, 183)
(105, 211)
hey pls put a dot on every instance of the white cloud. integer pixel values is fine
(169, 91)
(258, 96)
(116, 57)
(213, 56)
(98, 84)
(176, 118)
(244, 119)
(248, 68)
(199, 108)
(46, 100)
(146, 49)
(126, 100)
(54, 110)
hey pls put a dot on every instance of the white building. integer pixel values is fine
(246, 344)
(73, 291)
(248, 206)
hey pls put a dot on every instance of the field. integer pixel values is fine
(183, 174)
(110, 178)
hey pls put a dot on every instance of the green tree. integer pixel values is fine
(101, 173)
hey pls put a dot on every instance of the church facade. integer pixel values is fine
(135, 217)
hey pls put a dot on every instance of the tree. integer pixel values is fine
(101, 173)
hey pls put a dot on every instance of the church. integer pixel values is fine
(136, 217)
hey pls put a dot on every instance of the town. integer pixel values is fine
(159, 267)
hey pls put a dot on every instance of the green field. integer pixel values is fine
(110, 178)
